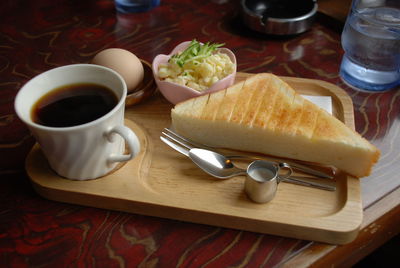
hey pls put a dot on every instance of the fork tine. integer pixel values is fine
(189, 142)
(177, 140)
(175, 146)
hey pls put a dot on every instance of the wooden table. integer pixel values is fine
(39, 35)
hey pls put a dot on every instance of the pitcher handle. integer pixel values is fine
(288, 172)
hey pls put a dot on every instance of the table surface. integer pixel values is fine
(39, 35)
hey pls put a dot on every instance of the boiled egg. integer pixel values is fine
(123, 62)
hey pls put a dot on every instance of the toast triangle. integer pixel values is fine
(264, 114)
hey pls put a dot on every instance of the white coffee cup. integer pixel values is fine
(85, 151)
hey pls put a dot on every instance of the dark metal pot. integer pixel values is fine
(279, 17)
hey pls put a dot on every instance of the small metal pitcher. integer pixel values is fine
(263, 178)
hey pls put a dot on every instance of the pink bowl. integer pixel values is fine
(175, 93)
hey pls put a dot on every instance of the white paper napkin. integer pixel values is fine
(325, 102)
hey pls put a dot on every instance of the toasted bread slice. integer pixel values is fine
(264, 114)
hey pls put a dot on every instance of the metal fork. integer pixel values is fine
(191, 144)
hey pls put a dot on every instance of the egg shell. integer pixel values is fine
(123, 62)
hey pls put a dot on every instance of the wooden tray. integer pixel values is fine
(161, 182)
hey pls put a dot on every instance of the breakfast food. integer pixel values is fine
(264, 114)
(199, 66)
(123, 62)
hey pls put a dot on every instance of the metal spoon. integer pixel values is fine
(219, 166)
(215, 164)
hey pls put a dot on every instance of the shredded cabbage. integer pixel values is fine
(198, 71)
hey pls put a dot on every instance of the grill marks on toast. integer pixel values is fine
(211, 108)
(280, 112)
(259, 88)
(261, 101)
(242, 103)
(198, 105)
(267, 103)
(292, 122)
(308, 120)
(282, 109)
(225, 109)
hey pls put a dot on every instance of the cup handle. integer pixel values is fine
(131, 140)
(287, 174)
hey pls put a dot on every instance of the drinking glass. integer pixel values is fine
(133, 6)
(371, 42)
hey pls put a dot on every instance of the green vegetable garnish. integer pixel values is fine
(194, 51)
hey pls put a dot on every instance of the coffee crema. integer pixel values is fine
(73, 105)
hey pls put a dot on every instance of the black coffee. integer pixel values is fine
(73, 105)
